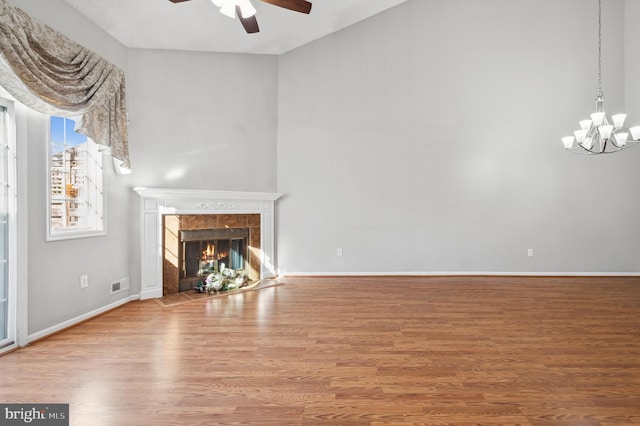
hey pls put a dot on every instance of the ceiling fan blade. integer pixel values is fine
(301, 6)
(177, 1)
(250, 24)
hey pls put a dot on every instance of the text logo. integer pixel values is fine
(34, 414)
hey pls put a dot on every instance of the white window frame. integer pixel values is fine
(12, 266)
(72, 233)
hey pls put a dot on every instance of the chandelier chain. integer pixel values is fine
(600, 95)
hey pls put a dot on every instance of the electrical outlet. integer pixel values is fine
(84, 281)
(339, 252)
(530, 253)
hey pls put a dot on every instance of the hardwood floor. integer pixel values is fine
(352, 351)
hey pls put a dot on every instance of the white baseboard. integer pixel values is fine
(73, 321)
(460, 273)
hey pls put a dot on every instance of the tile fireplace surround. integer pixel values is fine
(157, 202)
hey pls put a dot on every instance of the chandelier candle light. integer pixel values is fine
(598, 135)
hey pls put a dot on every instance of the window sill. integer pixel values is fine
(71, 235)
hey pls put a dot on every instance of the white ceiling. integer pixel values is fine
(198, 25)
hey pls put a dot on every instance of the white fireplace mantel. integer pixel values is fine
(157, 202)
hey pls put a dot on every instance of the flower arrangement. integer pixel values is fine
(227, 279)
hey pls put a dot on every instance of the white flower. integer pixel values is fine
(214, 282)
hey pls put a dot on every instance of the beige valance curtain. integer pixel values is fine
(54, 75)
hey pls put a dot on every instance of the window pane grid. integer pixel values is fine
(76, 179)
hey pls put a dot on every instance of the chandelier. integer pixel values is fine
(598, 135)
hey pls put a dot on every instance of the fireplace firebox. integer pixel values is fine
(213, 249)
(196, 246)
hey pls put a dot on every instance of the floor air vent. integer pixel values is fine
(120, 285)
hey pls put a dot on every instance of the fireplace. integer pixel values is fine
(161, 247)
(195, 246)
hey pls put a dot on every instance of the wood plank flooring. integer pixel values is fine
(352, 351)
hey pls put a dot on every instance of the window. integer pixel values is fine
(7, 225)
(76, 183)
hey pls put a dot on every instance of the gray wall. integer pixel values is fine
(54, 267)
(427, 139)
(203, 120)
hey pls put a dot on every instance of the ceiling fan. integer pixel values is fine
(245, 11)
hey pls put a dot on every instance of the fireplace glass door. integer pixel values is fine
(207, 251)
